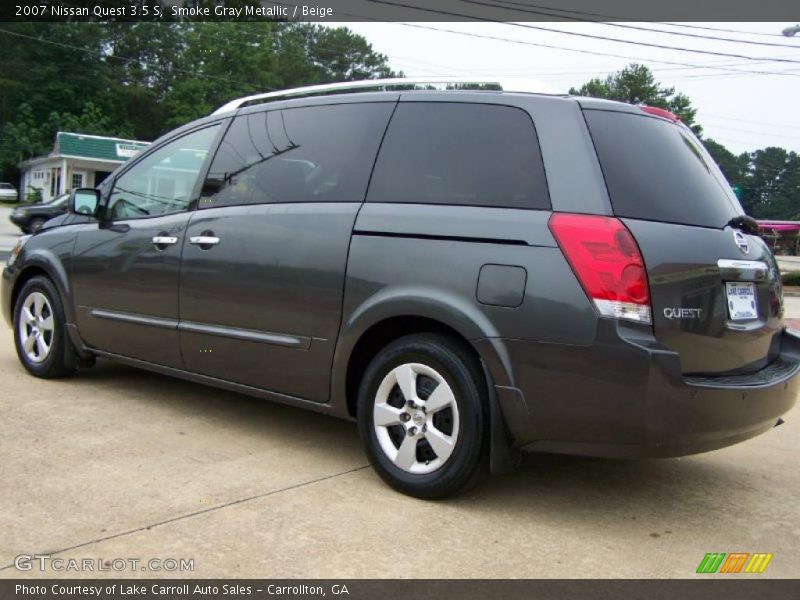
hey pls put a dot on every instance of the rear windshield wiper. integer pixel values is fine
(744, 223)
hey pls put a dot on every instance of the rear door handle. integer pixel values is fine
(204, 240)
(164, 240)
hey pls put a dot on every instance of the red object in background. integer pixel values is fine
(779, 226)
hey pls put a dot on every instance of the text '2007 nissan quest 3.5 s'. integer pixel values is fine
(467, 273)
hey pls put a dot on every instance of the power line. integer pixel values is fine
(728, 140)
(552, 12)
(578, 50)
(766, 124)
(567, 49)
(685, 77)
(767, 133)
(707, 28)
(583, 35)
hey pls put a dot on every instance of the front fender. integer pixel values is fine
(48, 252)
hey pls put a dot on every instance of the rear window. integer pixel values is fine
(658, 171)
(461, 154)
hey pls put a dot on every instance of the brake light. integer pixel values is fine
(660, 112)
(607, 263)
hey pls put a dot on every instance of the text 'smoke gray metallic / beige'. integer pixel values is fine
(469, 272)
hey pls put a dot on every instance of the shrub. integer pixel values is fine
(791, 278)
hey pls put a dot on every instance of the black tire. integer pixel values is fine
(460, 369)
(36, 224)
(61, 359)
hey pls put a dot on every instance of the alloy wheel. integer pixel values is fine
(415, 418)
(36, 326)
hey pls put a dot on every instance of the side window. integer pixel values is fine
(162, 182)
(461, 154)
(310, 154)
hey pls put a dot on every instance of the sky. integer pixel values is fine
(743, 110)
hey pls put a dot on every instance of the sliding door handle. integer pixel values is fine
(164, 240)
(204, 240)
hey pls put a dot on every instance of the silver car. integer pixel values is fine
(7, 191)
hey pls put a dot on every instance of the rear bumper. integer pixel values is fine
(625, 396)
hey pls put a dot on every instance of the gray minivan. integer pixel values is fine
(468, 273)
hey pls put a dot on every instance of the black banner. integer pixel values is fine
(407, 589)
(567, 11)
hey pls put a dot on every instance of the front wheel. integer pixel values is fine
(40, 334)
(422, 413)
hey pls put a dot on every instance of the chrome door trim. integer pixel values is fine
(114, 315)
(248, 335)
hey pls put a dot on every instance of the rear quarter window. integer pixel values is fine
(656, 170)
(460, 154)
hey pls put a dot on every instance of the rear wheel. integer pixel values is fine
(423, 416)
(40, 333)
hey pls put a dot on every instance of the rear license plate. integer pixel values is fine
(741, 301)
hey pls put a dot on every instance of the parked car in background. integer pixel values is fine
(468, 274)
(31, 217)
(7, 191)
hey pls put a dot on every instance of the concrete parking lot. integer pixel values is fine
(121, 463)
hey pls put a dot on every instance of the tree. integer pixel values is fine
(636, 84)
(772, 186)
(141, 79)
(735, 168)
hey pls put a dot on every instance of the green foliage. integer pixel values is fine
(791, 278)
(141, 79)
(769, 180)
(33, 195)
(636, 84)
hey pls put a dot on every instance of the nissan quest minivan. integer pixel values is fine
(467, 273)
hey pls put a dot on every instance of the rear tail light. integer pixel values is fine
(607, 262)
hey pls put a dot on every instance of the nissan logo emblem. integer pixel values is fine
(741, 241)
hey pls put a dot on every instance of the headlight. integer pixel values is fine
(12, 258)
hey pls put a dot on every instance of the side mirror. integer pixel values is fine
(84, 201)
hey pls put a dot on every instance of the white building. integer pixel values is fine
(77, 160)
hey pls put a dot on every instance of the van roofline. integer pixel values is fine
(507, 84)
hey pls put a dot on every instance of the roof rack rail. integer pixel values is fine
(507, 84)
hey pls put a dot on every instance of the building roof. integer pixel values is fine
(97, 147)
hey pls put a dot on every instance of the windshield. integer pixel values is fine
(659, 171)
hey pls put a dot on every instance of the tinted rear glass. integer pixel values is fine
(463, 154)
(658, 171)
